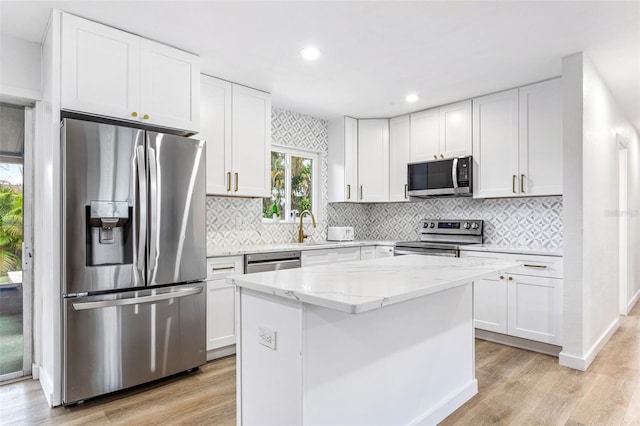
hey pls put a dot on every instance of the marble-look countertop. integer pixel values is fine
(268, 248)
(496, 248)
(356, 287)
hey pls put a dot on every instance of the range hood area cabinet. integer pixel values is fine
(116, 74)
(236, 123)
(517, 142)
(443, 132)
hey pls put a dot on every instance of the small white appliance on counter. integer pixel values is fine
(340, 233)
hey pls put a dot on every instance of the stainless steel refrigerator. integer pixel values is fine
(134, 257)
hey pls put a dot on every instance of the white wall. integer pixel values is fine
(631, 137)
(20, 67)
(591, 216)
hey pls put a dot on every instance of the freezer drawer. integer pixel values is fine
(119, 340)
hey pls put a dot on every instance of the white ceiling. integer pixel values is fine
(374, 53)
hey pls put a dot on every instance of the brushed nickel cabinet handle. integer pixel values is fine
(236, 176)
(361, 192)
(510, 278)
(228, 181)
(348, 192)
(224, 268)
(513, 183)
(441, 156)
(435, 157)
(502, 277)
(522, 183)
(405, 191)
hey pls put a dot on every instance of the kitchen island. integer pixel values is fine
(381, 341)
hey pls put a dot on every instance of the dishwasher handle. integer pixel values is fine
(274, 265)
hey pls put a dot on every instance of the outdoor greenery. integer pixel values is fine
(10, 229)
(299, 189)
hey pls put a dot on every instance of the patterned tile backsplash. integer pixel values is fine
(238, 221)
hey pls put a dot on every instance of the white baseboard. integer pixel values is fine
(633, 301)
(451, 404)
(583, 362)
(221, 352)
(47, 386)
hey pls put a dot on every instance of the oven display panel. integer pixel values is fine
(448, 225)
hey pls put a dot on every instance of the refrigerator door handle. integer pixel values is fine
(142, 205)
(153, 219)
(83, 306)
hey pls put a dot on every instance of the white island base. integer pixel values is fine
(407, 363)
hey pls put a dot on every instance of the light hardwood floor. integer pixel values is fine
(517, 387)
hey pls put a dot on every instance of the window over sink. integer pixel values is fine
(294, 184)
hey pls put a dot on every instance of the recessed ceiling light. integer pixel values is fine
(310, 53)
(411, 98)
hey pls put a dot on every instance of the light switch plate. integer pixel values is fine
(267, 337)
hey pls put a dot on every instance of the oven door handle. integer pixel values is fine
(454, 173)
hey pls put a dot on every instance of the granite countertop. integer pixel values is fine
(356, 287)
(268, 248)
(496, 248)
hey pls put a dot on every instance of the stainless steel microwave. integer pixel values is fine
(451, 176)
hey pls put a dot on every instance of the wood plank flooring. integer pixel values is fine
(517, 387)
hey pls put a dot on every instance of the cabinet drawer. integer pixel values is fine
(220, 268)
(537, 266)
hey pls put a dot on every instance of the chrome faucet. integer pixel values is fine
(301, 234)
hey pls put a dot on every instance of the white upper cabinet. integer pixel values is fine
(215, 128)
(116, 74)
(443, 132)
(170, 81)
(343, 159)
(517, 142)
(236, 123)
(541, 138)
(495, 145)
(373, 160)
(100, 69)
(455, 130)
(425, 135)
(399, 157)
(251, 137)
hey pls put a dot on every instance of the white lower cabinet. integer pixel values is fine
(525, 304)
(367, 252)
(384, 251)
(330, 256)
(221, 305)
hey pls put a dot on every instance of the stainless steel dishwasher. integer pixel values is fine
(276, 261)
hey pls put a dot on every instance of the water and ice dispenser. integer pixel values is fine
(109, 233)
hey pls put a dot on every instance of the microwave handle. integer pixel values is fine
(454, 173)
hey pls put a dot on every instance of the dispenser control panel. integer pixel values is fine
(109, 209)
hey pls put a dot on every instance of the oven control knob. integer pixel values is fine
(432, 225)
(466, 225)
(425, 225)
(474, 225)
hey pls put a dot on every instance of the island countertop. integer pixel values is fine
(362, 286)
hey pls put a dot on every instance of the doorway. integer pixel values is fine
(622, 227)
(16, 295)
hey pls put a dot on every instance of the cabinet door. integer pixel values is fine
(251, 140)
(351, 158)
(455, 129)
(490, 304)
(425, 135)
(100, 69)
(541, 138)
(170, 87)
(535, 308)
(220, 314)
(495, 145)
(373, 160)
(399, 157)
(215, 128)
(384, 251)
(346, 254)
(367, 252)
(315, 257)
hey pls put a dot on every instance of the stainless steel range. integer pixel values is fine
(442, 237)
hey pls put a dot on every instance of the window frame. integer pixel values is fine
(315, 182)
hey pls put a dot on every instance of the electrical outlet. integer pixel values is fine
(267, 337)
